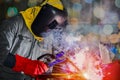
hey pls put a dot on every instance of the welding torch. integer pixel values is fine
(60, 57)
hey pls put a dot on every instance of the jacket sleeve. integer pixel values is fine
(8, 30)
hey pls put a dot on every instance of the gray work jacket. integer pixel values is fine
(15, 38)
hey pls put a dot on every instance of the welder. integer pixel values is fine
(21, 35)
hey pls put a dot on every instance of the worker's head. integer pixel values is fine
(51, 15)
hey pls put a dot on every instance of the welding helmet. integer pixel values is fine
(51, 15)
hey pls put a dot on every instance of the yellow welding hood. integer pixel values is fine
(55, 3)
(40, 18)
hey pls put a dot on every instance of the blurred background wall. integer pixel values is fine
(86, 11)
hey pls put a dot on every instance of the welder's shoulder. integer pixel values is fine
(11, 23)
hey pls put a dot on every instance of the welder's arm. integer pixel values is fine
(22, 64)
(8, 31)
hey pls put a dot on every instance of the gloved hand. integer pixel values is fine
(52, 60)
(111, 71)
(59, 58)
(29, 67)
(46, 58)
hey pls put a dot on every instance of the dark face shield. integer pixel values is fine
(58, 21)
(48, 18)
(54, 26)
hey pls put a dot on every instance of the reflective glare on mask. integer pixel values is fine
(58, 21)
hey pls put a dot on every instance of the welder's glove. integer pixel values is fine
(51, 60)
(46, 58)
(59, 58)
(29, 67)
(111, 71)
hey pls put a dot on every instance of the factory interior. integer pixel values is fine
(91, 38)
